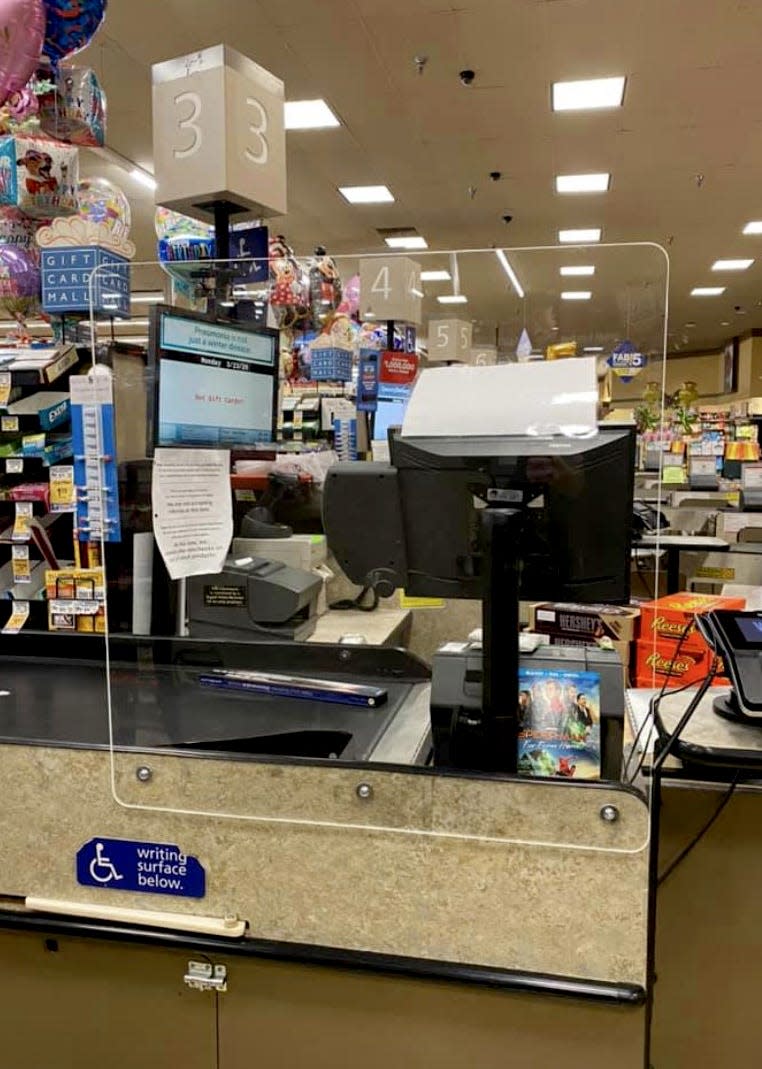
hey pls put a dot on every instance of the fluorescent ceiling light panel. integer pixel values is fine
(583, 183)
(576, 295)
(754, 227)
(309, 115)
(578, 271)
(367, 194)
(589, 94)
(579, 237)
(453, 298)
(510, 272)
(143, 178)
(435, 276)
(707, 291)
(413, 242)
(146, 298)
(593, 349)
(732, 265)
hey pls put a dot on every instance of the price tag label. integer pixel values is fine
(9, 424)
(22, 524)
(5, 388)
(14, 466)
(63, 494)
(19, 617)
(390, 289)
(450, 340)
(22, 565)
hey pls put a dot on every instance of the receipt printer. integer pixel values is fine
(254, 598)
(737, 638)
(456, 698)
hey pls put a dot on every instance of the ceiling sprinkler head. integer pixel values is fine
(420, 63)
(471, 192)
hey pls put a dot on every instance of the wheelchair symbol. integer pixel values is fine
(102, 869)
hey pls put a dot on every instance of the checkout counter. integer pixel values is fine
(217, 852)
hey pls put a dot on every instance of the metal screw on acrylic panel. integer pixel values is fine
(365, 792)
(144, 774)
(610, 814)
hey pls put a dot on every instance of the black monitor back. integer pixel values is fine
(416, 522)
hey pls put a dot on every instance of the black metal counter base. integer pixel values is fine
(331, 957)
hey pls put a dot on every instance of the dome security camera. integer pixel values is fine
(496, 175)
(507, 219)
(467, 77)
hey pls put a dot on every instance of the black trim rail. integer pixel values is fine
(413, 968)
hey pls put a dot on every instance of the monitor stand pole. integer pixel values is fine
(500, 638)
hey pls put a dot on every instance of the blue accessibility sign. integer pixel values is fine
(148, 868)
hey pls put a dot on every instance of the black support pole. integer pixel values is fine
(500, 639)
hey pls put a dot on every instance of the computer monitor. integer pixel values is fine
(213, 383)
(415, 523)
(493, 519)
(388, 414)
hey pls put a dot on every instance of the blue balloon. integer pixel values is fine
(71, 25)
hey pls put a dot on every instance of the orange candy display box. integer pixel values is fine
(666, 619)
(655, 664)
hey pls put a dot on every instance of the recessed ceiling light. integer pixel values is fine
(725, 323)
(593, 349)
(309, 115)
(689, 325)
(578, 271)
(754, 227)
(582, 183)
(453, 298)
(732, 265)
(576, 295)
(588, 94)
(367, 194)
(707, 291)
(435, 276)
(579, 237)
(412, 242)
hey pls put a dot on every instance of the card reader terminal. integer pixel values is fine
(737, 638)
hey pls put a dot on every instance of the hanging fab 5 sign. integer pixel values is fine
(626, 362)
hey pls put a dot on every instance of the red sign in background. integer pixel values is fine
(398, 368)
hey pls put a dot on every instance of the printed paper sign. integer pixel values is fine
(192, 509)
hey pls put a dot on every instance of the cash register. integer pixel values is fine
(491, 518)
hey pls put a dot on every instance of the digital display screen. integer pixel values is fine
(751, 628)
(216, 385)
(388, 414)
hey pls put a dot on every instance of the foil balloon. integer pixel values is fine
(19, 273)
(170, 225)
(350, 301)
(70, 26)
(74, 109)
(22, 31)
(16, 229)
(101, 202)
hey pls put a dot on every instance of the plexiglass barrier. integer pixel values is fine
(212, 680)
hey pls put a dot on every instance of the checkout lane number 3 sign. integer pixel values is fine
(145, 868)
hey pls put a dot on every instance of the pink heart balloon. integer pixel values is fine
(22, 34)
